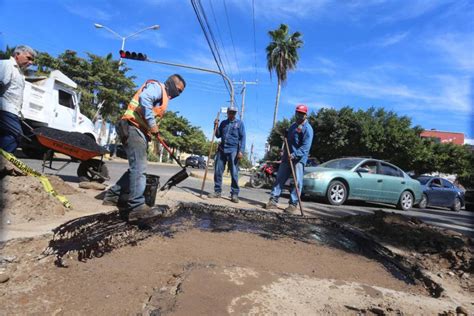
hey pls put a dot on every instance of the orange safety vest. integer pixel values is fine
(134, 113)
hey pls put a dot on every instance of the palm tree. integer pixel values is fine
(282, 56)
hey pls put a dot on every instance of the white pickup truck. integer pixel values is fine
(53, 102)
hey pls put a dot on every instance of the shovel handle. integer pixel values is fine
(162, 142)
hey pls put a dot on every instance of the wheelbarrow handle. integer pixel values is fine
(162, 142)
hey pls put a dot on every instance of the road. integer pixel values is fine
(461, 221)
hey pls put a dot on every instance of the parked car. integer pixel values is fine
(440, 192)
(364, 179)
(195, 162)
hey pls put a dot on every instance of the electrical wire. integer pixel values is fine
(220, 38)
(232, 39)
(202, 19)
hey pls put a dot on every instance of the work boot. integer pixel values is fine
(215, 195)
(291, 209)
(110, 201)
(143, 212)
(234, 198)
(271, 204)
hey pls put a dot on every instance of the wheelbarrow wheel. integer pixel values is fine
(93, 170)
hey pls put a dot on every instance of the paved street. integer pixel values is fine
(461, 221)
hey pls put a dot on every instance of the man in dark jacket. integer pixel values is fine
(300, 137)
(231, 149)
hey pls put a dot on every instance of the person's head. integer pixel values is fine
(231, 112)
(301, 113)
(175, 85)
(24, 56)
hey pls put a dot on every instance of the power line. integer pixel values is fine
(202, 19)
(220, 38)
(255, 58)
(232, 38)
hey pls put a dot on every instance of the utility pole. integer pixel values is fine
(244, 87)
(251, 154)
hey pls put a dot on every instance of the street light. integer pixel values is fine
(124, 38)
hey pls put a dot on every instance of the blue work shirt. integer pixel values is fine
(150, 97)
(232, 134)
(300, 138)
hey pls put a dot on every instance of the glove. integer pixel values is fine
(154, 130)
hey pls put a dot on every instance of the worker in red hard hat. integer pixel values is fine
(300, 137)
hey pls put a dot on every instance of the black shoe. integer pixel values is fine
(143, 212)
(234, 198)
(110, 201)
(215, 195)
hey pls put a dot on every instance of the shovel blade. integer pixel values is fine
(175, 179)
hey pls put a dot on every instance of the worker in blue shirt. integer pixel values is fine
(231, 149)
(300, 137)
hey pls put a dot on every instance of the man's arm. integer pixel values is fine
(219, 130)
(150, 95)
(242, 138)
(5, 72)
(306, 146)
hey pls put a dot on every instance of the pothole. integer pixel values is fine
(93, 236)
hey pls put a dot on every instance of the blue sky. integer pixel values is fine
(413, 57)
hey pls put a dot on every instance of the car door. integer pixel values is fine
(64, 114)
(449, 193)
(366, 183)
(393, 182)
(434, 192)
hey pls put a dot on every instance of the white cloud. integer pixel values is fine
(457, 48)
(391, 39)
(89, 12)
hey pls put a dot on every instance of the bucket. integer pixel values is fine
(152, 184)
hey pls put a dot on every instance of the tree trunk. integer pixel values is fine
(276, 103)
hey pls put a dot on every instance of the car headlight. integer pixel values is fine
(314, 175)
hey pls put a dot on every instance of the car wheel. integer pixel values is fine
(457, 205)
(336, 193)
(424, 201)
(406, 201)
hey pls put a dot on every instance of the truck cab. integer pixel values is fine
(53, 101)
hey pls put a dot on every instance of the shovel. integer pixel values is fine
(178, 177)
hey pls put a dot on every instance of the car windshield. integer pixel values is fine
(344, 163)
(423, 180)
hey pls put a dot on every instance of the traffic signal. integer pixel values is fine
(132, 55)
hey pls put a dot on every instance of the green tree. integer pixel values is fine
(379, 134)
(282, 56)
(98, 79)
(275, 140)
(7, 53)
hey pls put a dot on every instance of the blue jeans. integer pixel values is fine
(221, 160)
(10, 131)
(284, 172)
(133, 181)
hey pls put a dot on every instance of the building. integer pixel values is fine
(444, 137)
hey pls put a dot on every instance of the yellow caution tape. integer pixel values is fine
(30, 171)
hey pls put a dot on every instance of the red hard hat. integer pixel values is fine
(302, 108)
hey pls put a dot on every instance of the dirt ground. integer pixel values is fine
(201, 271)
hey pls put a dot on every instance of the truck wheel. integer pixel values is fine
(93, 170)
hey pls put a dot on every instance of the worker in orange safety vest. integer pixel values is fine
(135, 130)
